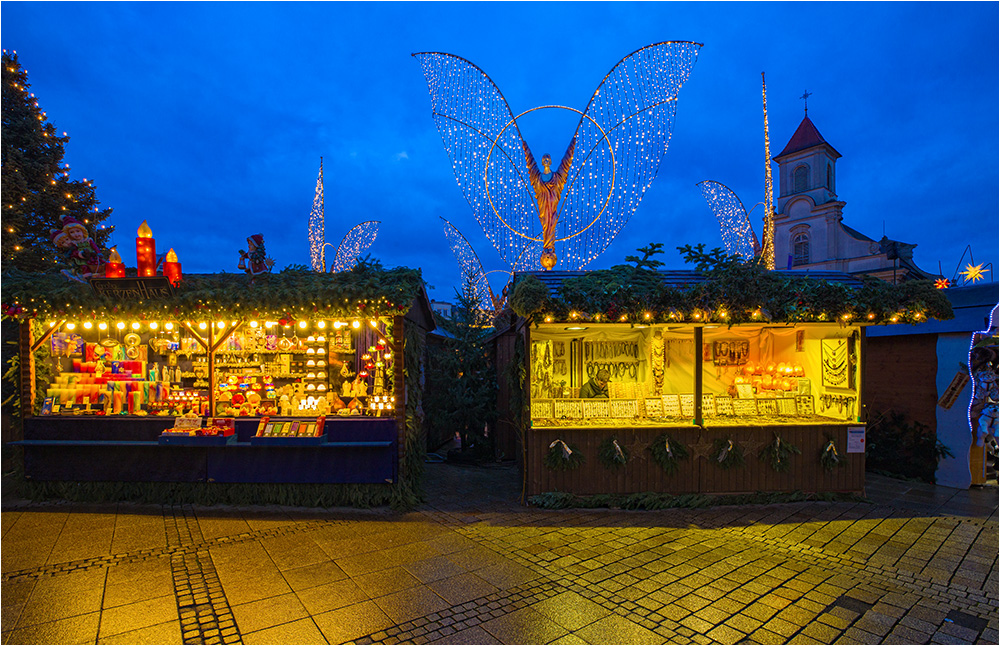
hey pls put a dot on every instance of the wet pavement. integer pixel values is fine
(917, 564)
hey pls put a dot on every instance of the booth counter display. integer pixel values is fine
(136, 384)
(736, 380)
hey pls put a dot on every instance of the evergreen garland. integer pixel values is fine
(612, 454)
(563, 457)
(778, 453)
(367, 290)
(829, 457)
(726, 453)
(668, 452)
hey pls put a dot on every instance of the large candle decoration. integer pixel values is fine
(145, 251)
(114, 268)
(172, 268)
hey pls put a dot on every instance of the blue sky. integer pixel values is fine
(209, 119)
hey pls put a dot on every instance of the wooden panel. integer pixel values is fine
(900, 374)
(700, 473)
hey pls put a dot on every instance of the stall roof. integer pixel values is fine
(972, 306)
(677, 278)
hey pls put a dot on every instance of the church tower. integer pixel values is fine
(807, 207)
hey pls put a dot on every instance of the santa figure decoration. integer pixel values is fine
(254, 261)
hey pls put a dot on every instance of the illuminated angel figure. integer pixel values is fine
(734, 221)
(356, 242)
(610, 162)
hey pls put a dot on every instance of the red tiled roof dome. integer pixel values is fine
(806, 136)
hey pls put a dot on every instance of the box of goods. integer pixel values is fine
(292, 432)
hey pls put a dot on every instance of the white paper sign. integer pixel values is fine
(855, 439)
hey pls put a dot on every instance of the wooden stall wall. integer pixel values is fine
(506, 441)
(697, 474)
(900, 375)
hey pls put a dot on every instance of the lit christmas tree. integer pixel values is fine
(37, 191)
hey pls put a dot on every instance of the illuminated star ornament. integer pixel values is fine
(973, 273)
(356, 242)
(537, 213)
(942, 283)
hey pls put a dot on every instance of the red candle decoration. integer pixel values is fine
(172, 268)
(145, 251)
(114, 268)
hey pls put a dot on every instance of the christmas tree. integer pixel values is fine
(38, 195)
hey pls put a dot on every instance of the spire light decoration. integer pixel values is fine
(317, 225)
(357, 240)
(620, 140)
(767, 253)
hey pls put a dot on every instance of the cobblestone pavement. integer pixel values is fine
(916, 565)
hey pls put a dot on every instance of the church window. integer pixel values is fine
(829, 177)
(800, 179)
(800, 249)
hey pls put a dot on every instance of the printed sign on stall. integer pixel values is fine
(855, 439)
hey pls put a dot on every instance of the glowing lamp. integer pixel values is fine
(172, 268)
(114, 268)
(145, 251)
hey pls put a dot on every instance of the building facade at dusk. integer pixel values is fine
(809, 228)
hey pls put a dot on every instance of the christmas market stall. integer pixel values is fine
(295, 376)
(731, 379)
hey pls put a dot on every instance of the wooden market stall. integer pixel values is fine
(733, 381)
(294, 377)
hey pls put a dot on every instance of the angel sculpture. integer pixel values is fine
(355, 242)
(610, 162)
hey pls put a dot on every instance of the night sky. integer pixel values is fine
(209, 119)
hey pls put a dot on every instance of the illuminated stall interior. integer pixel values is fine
(235, 368)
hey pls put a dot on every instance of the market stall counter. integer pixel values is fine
(212, 382)
(660, 391)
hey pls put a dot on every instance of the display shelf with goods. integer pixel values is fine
(669, 355)
(295, 347)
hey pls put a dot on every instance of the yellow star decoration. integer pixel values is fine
(942, 283)
(973, 273)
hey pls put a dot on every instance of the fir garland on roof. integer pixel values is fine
(367, 290)
(726, 290)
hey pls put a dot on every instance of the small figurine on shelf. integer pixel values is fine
(254, 261)
(345, 389)
(360, 388)
(285, 405)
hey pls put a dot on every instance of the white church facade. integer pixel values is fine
(809, 231)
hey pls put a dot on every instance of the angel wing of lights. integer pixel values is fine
(737, 232)
(470, 266)
(317, 225)
(355, 243)
(620, 140)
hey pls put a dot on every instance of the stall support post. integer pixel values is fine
(211, 370)
(27, 358)
(399, 387)
(698, 341)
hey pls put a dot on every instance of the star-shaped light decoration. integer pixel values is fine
(942, 283)
(973, 273)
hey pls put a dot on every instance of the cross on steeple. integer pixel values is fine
(805, 97)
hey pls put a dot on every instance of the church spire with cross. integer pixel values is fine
(805, 97)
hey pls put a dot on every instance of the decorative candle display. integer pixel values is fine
(145, 251)
(114, 268)
(172, 268)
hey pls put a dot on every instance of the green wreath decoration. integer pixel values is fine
(727, 453)
(778, 453)
(829, 457)
(563, 457)
(668, 452)
(612, 454)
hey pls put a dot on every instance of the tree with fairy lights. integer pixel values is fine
(38, 195)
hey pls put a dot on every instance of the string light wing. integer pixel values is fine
(317, 225)
(619, 142)
(737, 231)
(635, 104)
(470, 265)
(355, 243)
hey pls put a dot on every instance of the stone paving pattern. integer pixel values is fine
(917, 565)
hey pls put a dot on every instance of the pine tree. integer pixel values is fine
(37, 190)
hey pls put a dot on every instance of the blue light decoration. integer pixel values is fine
(622, 135)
